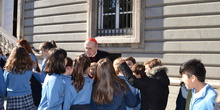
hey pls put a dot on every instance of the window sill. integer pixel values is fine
(116, 39)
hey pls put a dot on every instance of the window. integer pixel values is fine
(114, 17)
(116, 21)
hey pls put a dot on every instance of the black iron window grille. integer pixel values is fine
(115, 17)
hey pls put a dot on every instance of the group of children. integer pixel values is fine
(64, 84)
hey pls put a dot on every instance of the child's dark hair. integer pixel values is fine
(49, 45)
(24, 43)
(131, 59)
(69, 62)
(55, 62)
(139, 69)
(193, 67)
(81, 64)
(93, 66)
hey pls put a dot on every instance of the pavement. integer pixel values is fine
(174, 90)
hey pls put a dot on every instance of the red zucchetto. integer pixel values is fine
(92, 39)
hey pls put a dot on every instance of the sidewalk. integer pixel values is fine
(174, 90)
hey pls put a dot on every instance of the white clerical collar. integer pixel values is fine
(94, 54)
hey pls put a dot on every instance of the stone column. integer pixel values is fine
(1, 12)
(20, 19)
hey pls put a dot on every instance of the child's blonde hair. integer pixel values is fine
(116, 64)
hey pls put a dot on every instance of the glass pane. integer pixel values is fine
(109, 6)
(125, 21)
(109, 22)
(125, 5)
(115, 17)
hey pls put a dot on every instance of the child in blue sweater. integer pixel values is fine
(82, 84)
(2, 89)
(17, 74)
(44, 52)
(36, 86)
(53, 86)
(69, 89)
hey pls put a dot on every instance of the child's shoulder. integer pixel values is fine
(54, 77)
(88, 80)
(210, 92)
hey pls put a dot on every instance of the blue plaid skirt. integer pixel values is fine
(24, 102)
(1, 103)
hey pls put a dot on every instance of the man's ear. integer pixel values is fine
(194, 78)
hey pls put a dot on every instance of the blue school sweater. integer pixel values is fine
(2, 84)
(18, 84)
(33, 57)
(52, 93)
(70, 92)
(204, 99)
(41, 77)
(84, 95)
(133, 90)
(74, 98)
(119, 102)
